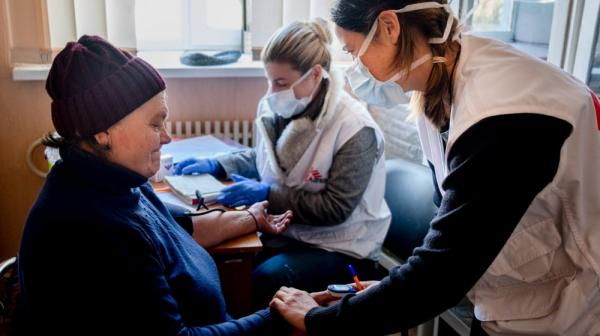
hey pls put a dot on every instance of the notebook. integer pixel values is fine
(185, 187)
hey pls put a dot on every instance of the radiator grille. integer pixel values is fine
(236, 130)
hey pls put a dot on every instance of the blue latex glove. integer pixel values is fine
(244, 192)
(197, 166)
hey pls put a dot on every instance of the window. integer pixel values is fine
(149, 25)
(587, 59)
(594, 76)
(189, 24)
(526, 24)
(564, 32)
(492, 15)
(159, 25)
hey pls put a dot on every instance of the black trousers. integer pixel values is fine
(290, 263)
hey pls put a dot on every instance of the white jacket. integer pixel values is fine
(546, 279)
(341, 117)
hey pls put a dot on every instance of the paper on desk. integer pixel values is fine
(205, 146)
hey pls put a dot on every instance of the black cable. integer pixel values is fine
(192, 214)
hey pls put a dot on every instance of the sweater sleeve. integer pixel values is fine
(145, 280)
(179, 214)
(263, 322)
(497, 167)
(348, 179)
(241, 163)
(437, 195)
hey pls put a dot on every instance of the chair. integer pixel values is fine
(409, 194)
(9, 291)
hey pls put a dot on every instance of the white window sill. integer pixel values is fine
(167, 64)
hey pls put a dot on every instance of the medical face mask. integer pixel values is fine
(389, 93)
(285, 103)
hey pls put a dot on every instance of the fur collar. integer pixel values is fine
(332, 99)
(294, 141)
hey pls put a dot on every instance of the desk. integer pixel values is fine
(234, 262)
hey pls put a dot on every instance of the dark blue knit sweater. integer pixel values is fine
(102, 255)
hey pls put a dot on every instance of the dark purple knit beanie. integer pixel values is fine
(93, 85)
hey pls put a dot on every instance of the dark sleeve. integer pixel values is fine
(241, 163)
(437, 195)
(151, 292)
(497, 167)
(178, 214)
(263, 322)
(348, 179)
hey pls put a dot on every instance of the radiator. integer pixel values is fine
(237, 130)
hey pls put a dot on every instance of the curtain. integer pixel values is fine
(111, 19)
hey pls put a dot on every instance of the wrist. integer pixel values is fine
(215, 167)
(253, 218)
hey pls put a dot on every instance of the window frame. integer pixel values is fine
(588, 38)
(574, 36)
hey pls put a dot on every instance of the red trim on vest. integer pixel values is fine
(312, 175)
(597, 108)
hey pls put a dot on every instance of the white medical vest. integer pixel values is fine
(341, 117)
(546, 279)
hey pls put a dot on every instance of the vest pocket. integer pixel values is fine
(527, 278)
(528, 254)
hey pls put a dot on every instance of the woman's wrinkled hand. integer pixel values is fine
(274, 224)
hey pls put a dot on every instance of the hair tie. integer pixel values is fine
(438, 59)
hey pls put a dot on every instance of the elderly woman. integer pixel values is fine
(100, 253)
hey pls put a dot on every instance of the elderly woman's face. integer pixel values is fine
(135, 141)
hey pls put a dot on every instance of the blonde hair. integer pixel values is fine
(300, 44)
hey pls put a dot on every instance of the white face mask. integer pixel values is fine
(389, 93)
(285, 103)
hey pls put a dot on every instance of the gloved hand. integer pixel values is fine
(244, 192)
(197, 166)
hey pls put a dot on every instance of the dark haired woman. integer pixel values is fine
(514, 144)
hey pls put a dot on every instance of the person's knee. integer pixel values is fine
(273, 273)
(267, 278)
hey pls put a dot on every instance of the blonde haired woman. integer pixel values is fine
(514, 144)
(319, 153)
